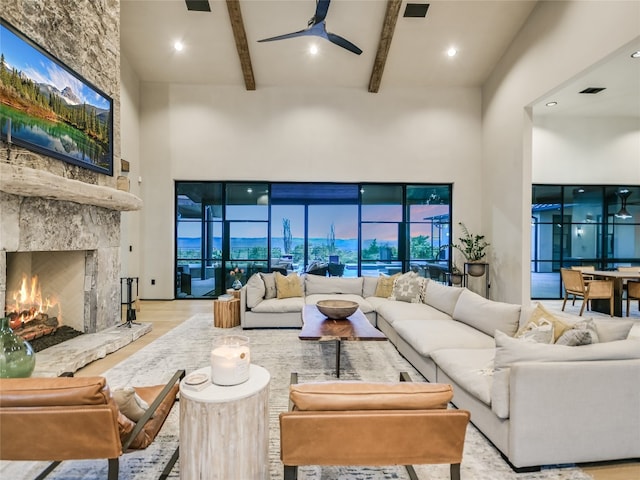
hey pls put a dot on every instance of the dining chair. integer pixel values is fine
(575, 285)
(585, 269)
(633, 293)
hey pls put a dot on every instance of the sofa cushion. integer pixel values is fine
(442, 297)
(384, 286)
(280, 305)
(334, 396)
(288, 286)
(486, 315)
(269, 280)
(428, 336)
(510, 351)
(317, 284)
(255, 290)
(408, 288)
(363, 304)
(610, 330)
(470, 368)
(392, 311)
(369, 285)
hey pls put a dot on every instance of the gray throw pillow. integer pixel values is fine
(408, 288)
(575, 337)
(269, 285)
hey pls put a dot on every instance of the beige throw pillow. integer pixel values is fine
(288, 286)
(129, 403)
(385, 285)
(541, 315)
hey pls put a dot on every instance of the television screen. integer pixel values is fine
(48, 108)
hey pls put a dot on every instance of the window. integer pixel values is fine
(575, 225)
(338, 228)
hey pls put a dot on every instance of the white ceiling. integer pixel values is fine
(480, 30)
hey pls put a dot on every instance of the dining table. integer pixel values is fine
(618, 278)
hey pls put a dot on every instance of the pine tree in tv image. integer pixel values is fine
(49, 108)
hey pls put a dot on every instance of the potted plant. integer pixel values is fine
(474, 248)
(456, 275)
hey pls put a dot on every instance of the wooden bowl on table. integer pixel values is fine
(337, 309)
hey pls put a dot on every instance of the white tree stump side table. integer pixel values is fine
(224, 431)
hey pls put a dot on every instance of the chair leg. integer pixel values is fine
(412, 472)
(114, 466)
(169, 466)
(455, 471)
(585, 301)
(611, 306)
(629, 304)
(47, 470)
(290, 472)
(566, 296)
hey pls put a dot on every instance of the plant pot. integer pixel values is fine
(17, 358)
(476, 269)
(456, 279)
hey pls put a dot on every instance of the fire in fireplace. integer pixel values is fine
(30, 315)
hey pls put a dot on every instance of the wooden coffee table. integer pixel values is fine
(318, 327)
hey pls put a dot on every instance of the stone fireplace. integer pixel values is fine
(66, 232)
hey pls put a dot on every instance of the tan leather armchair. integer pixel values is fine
(75, 418)
(374, 424)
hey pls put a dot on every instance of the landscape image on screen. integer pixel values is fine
(50, 109)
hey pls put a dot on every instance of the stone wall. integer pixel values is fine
(63, 207)
(85, 36)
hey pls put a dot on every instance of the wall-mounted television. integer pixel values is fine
(50, 109)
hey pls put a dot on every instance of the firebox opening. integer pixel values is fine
(48, 284)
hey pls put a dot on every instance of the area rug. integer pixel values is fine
(280, 352)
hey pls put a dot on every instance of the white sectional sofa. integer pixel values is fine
(538, 403)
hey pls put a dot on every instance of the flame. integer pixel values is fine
(29, 302)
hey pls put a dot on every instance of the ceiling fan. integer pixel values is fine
(317, 27)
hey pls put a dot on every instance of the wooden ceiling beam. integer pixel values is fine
(240, 36)
(388, 27)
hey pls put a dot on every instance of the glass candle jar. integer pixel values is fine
(230, 360)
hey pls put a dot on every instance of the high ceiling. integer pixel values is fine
(480, 30)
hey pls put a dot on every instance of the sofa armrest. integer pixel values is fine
(243, 305)
(585, 411)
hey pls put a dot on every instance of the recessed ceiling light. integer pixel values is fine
(313, 49)
(452, 52)
(635, 54)
(178, 46)
(551, 104)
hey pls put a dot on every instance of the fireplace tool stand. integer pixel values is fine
(131, 311)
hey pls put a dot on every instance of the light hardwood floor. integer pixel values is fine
(165, 315)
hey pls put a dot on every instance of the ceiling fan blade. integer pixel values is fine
(343, 42)
(322, 7)
(300, 33)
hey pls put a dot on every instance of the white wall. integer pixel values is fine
(558, 41)
(130, 151)
(603, 150)
(195, 132)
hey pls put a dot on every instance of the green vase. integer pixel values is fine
(17, 358)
